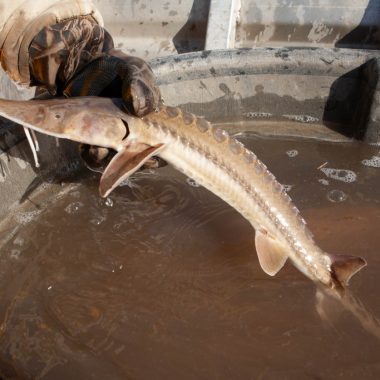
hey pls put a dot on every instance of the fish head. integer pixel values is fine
(93, 129)
(89, 120)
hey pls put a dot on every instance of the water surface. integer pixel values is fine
(161, 280)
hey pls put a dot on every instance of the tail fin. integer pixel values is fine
(343, 267)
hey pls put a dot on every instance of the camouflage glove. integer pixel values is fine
(77, 58)
(121, 76)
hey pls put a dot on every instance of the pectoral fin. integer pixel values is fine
(271, 253)
(124, 164)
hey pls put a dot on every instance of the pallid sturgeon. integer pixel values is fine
(215, 160)
(203, 152)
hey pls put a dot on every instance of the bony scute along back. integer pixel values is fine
(207, 154)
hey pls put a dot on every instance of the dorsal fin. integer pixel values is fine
(343, 267)
(272, 255)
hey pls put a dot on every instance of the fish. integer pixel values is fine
(204, 153)
(224, 166)
(218, 162)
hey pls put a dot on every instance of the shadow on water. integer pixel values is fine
(350, 101)
(330, 307)
(192, 36)
(367, 34)
(10, 134)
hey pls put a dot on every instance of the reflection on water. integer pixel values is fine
(161, 280)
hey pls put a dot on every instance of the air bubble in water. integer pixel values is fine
(18, 241)
(287, 188)
(27, 217)
(192, 183)
(336, 196)
(292, 153)
(74, 207)
(126, 182)
(109, 202)
(117, 226)
(75, 194)
(373, 162)
(340, 174)
(131, 184)
(324, 182)
(15, 254)
(98, 220)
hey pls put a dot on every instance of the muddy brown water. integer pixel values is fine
(161, 280)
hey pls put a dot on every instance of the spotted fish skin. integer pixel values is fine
(223, 165)
(205, 153)
(69, 118)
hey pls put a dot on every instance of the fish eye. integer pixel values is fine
(57, 116)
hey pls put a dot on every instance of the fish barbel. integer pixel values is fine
(205, 153)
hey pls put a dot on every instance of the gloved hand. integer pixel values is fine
(77, 58)
(119, 76)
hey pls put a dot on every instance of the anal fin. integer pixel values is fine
(272, 255)
(124, 164)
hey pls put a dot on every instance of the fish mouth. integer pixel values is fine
(96, 158)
